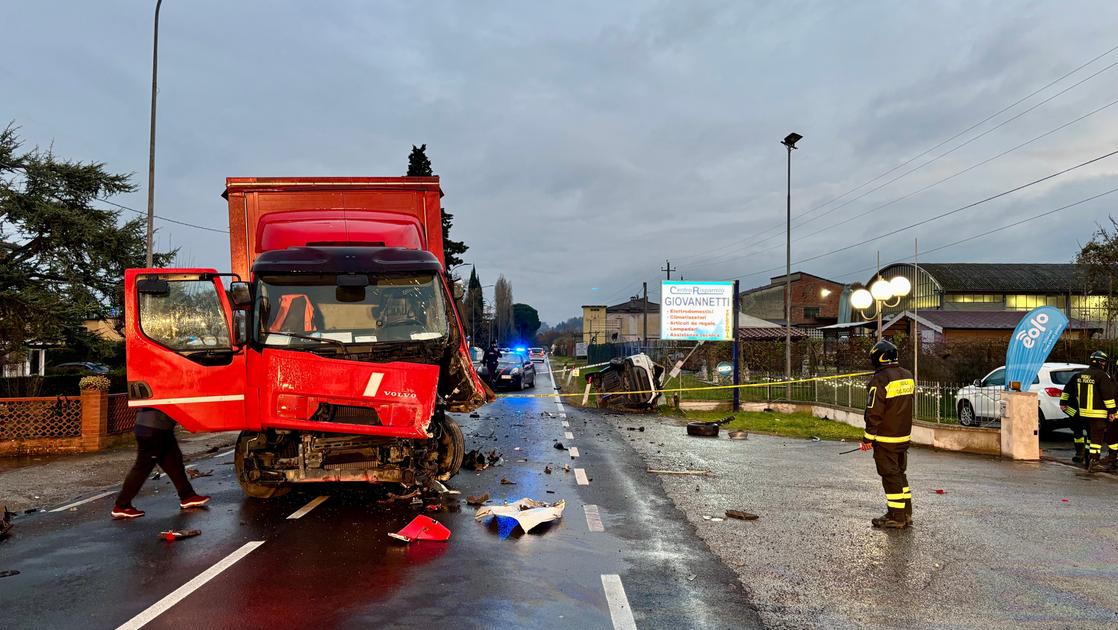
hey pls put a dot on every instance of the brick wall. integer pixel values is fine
(807, 293)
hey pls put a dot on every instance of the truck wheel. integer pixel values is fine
(242, 465)
(452, 449)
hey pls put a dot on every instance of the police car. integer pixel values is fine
(979, 404)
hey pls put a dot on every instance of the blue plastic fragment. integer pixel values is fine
(506, 525)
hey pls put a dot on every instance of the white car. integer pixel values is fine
(979, 404)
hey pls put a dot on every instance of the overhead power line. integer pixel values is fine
(943, 214)
(175, 221)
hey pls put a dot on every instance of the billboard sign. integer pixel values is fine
(696, 311)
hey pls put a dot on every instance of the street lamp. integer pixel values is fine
(151, 138)
(882, 294)
(790, 142)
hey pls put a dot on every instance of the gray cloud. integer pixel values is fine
(580, 144)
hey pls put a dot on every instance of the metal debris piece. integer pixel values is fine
(741, 516)
(547, 470)
(738, 435)
(172, 535)
(506, 482)
(494, 456)
(4, 574)
(474, 460)
(422, 528)
(194, 473)
(559, 446)
(478, 500)
(566, 468)
(715, 519)
(527, 513)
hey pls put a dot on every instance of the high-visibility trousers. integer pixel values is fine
(892, 462)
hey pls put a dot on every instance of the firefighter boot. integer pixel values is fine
(892, 519)
(1078, 458)
(1093, 463)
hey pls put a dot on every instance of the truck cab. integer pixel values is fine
(335, 346)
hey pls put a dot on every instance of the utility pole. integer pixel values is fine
(151, 139)
(645, 313)
(668, 268)
(789, 141)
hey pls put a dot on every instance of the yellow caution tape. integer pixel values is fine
(694, 389)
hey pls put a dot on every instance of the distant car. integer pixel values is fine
(85, 368)
(537, 355)
(978, 404)
(515, 370)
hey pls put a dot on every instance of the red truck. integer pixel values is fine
(334, 346)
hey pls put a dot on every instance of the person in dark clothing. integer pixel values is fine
(888, 416)
(1090, 397)
(491, 358)
(155, 444)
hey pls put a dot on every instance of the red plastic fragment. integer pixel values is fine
(1063, 500)
(939, 490)
(422, 528)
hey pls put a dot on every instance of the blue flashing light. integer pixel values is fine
(520, 349)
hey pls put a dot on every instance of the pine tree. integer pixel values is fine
(419, 165)
(474, 311)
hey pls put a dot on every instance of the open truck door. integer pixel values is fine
(184, 347)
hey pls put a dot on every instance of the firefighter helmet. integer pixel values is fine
(1099, 359)
(883, 353)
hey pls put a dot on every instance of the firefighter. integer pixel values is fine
(888, 416)
(1090, 397)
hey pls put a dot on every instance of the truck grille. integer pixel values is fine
(348, 414)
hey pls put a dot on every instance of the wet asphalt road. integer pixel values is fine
(336, 567)
(1006, 545)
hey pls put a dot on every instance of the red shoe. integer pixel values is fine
(193, 502)
(126, 512)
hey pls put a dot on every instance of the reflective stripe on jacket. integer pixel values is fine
(889, 395)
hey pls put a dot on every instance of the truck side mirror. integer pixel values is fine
(240, 295)
(459, 292)
(240, 328)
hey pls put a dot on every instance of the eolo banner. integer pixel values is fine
(1031, 343)
(696, 311)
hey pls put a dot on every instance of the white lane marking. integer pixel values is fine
(573, 451)
(566, 425)
(568, 435)
(179, 594)
(560, 407)
(373, 386)
(301, 512)
(593, 518)
(84, 501)
(225, 453)
(562, 415)
(619, 610)
(149, 402)
(580, 477)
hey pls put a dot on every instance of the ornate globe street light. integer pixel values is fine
(882, 294)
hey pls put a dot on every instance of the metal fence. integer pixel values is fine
(122, 418)
(47, 417)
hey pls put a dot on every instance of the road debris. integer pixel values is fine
(5, 520)
(477, 500)
(559, 446)
(566, 468)
(475, 415)
(741, 516)
(707, 429)
(940, 491)
(494, 456)
(506, 482)
(171, 535)
(156, 475)
(474, 460)
(701, 473)
(422, 528)
(4, 574)
(738, 435)
(527, 513)
(547, 470)
(194, 473)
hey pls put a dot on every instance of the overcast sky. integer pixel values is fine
(581, 144)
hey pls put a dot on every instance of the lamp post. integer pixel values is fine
(790, 142)
(151, 138)
(882, 294)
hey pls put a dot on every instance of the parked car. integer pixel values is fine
(538, 355)
(515, 370)
(979, 403)
(84, 368)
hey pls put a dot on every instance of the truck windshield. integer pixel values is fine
(394, 308)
